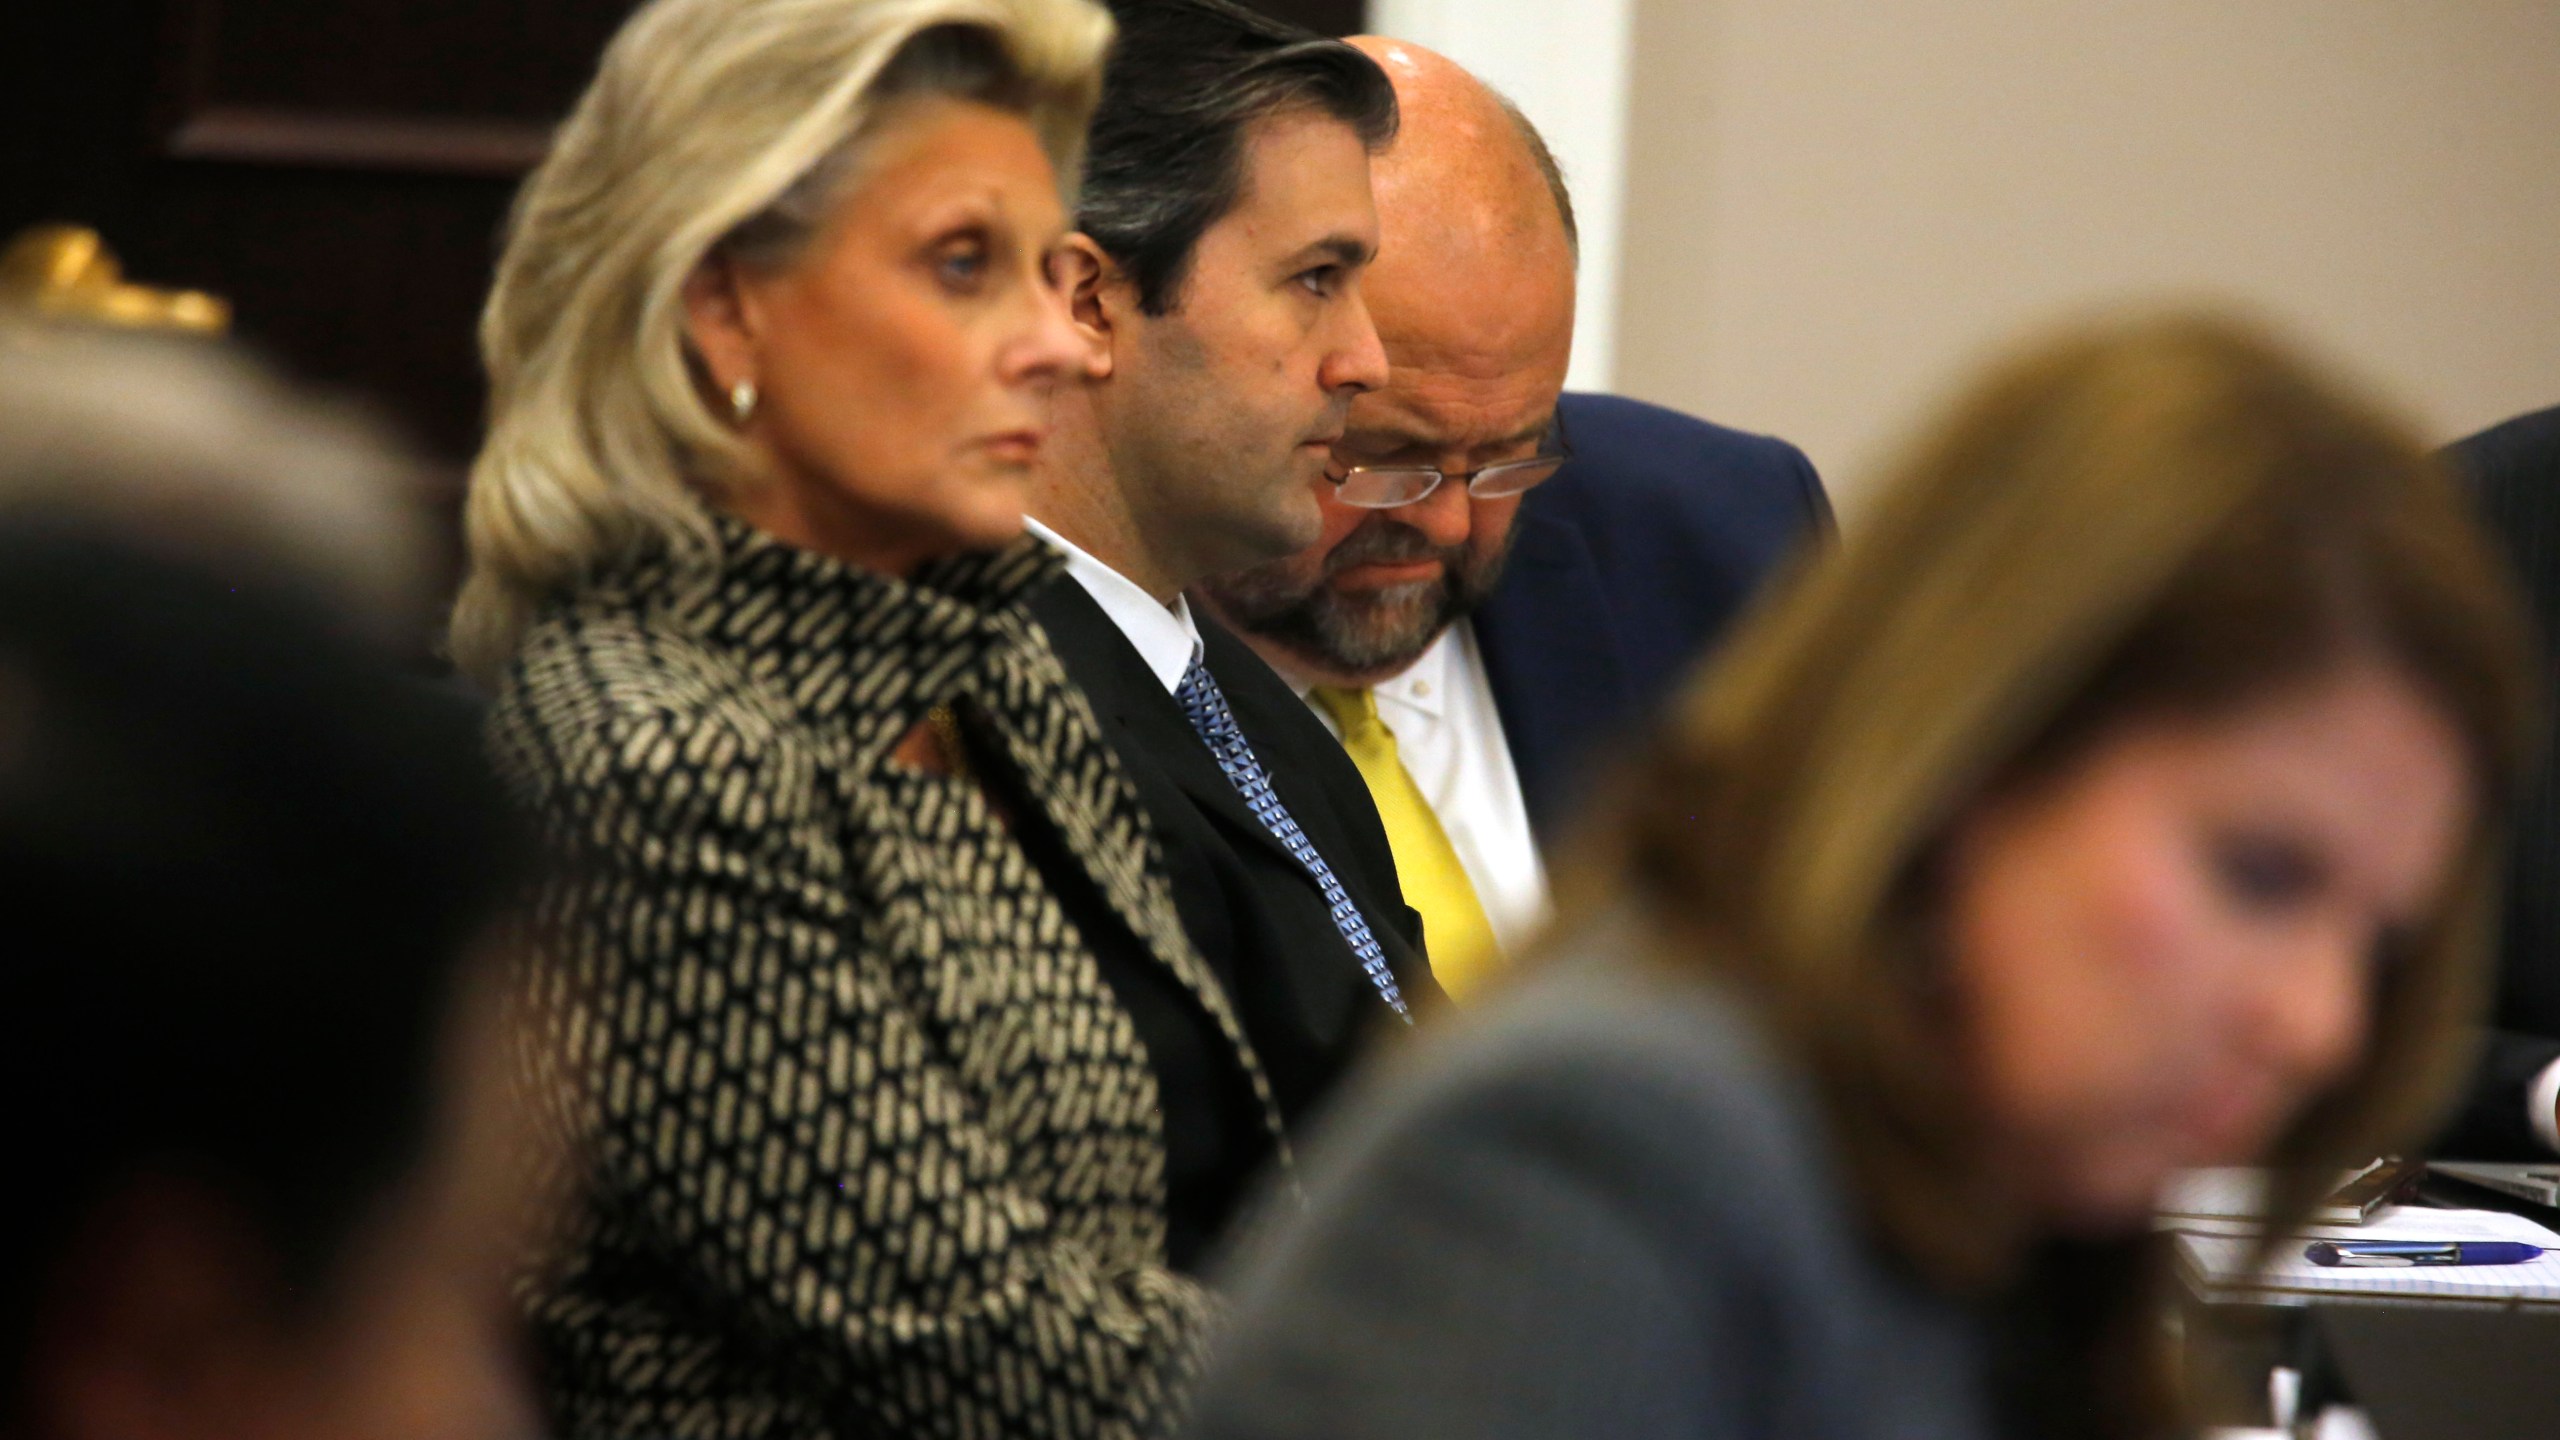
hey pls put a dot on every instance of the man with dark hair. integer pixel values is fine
(1225, 221)
(1478, 642)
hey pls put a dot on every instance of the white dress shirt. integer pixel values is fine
(1449, 736)
(1166, 636)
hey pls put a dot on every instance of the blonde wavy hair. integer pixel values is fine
(728, 126)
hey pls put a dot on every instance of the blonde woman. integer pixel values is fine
(2121, 798)
(851, 1007)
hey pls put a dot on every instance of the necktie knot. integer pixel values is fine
(1354, 711)
(1192, 693)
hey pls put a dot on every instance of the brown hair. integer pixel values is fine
(2163, 514)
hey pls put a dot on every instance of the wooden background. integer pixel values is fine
(337, 169)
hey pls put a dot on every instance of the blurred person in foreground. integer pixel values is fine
(1224, 225)
(1481, 617)
(265, 1181)
(2124, 797)
(865, 913)
(2513, 1109)
(187, 446)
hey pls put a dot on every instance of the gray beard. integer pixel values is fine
(1384, 630)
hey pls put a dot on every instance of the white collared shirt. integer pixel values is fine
(1166, 637)
(1449, 736)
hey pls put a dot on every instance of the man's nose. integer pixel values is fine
(1356, 363)
(1444, 517)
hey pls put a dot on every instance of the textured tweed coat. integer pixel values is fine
(869, 1145)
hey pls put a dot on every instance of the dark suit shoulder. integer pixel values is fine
(1659, 462)
(2513, 470)
(1682, 519)
(2526, 448)
(1625, 568)
(1078, 629)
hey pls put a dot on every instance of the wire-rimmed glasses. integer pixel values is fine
(1384, 487)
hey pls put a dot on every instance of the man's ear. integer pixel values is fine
(722, 318)
(1100, 300)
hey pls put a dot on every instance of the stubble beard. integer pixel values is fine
(1371, 632)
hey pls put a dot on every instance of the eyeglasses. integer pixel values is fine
(1384, 487)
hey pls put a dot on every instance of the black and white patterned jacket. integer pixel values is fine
(869, 1146)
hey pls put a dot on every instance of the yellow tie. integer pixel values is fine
(1463, 951)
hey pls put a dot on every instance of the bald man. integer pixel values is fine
(1479, 637)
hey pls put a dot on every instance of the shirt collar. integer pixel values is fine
(1423, 687)
(1166, 637)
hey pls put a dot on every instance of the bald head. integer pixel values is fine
(1467, 214)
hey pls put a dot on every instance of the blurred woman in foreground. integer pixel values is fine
(2121, 799)
(871, 1142)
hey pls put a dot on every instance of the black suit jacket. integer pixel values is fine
(1624, 569)
(1251, 909)
(2515, 473)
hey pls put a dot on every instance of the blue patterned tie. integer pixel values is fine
(1206, 704)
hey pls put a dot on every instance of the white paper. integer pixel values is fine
(2217, 1252)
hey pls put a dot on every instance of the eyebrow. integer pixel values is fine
(941, 212)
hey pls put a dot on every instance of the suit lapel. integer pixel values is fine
(1132, 704)
(1550, 609)
(1128, 697)
(1069, 619)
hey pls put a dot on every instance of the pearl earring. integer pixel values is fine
(742, 400)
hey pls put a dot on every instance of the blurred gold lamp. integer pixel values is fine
(66, 272)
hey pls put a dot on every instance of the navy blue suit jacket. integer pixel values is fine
(1625, 568)
(2514, 470)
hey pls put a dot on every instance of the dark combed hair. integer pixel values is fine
(241, 859)
(1186, 81)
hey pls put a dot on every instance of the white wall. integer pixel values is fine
(1564, 63)
(1833, 206)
